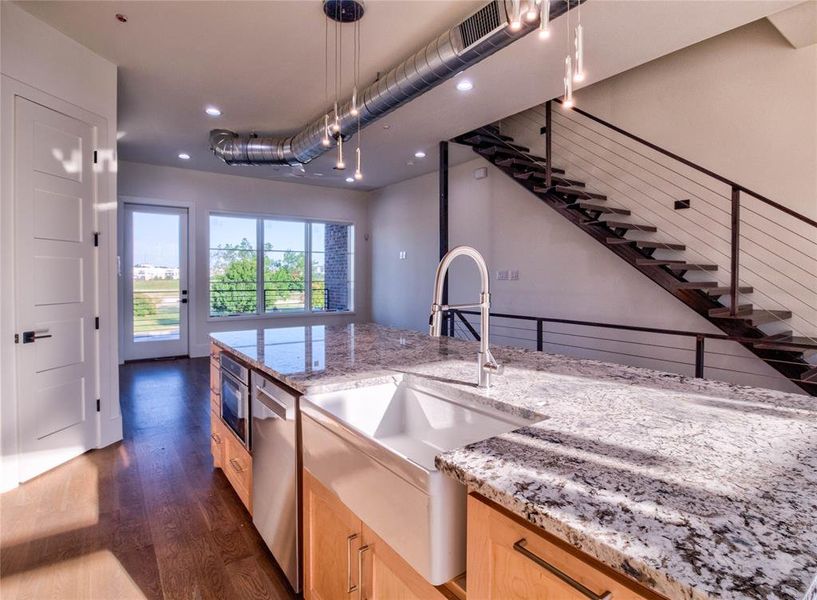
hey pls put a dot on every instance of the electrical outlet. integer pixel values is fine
(514, 276)
(402, 255)
(502, 275)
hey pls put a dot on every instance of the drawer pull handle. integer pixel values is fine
(520, 547)
(360, 552)
(216, 437)
(350, 587)
(236, 465)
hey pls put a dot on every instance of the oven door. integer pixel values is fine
(235, 406)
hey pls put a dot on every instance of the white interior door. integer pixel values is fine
(55, 295)
(156, 292)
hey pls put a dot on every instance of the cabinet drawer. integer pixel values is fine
(215, 353)
(215, 403)
(238, 469)
(217, 440)
(508, 558)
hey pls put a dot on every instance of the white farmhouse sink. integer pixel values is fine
(375, 447)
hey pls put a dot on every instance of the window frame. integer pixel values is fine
(260, 308)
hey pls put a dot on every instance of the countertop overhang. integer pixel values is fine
(694, 488)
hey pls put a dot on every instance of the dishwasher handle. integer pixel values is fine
(272, 403)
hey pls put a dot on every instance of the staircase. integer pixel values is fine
(657, 256)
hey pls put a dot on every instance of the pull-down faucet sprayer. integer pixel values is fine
(485, 361)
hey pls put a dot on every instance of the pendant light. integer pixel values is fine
(516, 15)
(544, 19)
(578, 41)
(358, 173)
(532, 12)
(567, 102)
(325, 139)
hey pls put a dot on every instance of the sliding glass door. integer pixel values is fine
(156, 292)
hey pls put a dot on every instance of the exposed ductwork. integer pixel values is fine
(469, 42)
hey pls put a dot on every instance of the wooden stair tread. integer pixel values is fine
(599, 208)
(622, 225)
(724, 290)
(693, 267)
(529, 165)
(783, 341)
(657, 262)
(743, 309)
(508, 150)
(540, 176)
(569, 191)
(646, 244)
(760, 317)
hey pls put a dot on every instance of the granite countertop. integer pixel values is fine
(695, 488)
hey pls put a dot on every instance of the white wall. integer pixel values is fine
(43, 65)
(563, 274)
(743, 104)
(203, 193)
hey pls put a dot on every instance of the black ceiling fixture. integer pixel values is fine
(345, 11)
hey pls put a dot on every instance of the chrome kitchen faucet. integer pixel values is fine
(486, 364)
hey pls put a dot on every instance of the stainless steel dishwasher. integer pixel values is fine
(276, 489)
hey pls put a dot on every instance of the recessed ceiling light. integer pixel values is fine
(410, 162)
(350, 180)
(184, 156)
(465, 85)
(318, 174)
(419, 154)
(213, 111)
(386, 126)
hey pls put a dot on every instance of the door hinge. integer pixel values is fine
(98, 404)
(96, 322)
(16, 338)
(96, 239)
(96, 156)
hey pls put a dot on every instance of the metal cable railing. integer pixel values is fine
(730, 242)
(540, 339)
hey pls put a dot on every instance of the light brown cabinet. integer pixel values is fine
(344, 559)
(509, 559)
(229, 454)
(215, 379)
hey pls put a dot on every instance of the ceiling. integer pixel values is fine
(262, 64)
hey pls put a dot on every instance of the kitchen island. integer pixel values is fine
(693, 488)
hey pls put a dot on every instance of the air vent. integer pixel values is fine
(482, 23)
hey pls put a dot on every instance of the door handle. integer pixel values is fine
(31, 336)
(521, 547)
(350, 587)
(360, 552)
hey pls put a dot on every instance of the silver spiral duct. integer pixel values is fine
(472, 40)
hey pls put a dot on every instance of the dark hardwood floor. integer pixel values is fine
(147, 517)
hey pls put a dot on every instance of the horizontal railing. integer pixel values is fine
(700, 337)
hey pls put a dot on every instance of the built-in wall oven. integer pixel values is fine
(235, 398)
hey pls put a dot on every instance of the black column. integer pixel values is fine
(444, 224)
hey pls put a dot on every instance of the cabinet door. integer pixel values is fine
(509, 560)
(217, 441)
(332, 538)
(386, 576)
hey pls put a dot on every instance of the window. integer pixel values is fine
(259, 266)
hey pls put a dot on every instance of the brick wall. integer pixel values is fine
(337, 267)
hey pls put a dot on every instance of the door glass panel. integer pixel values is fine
(156, 289)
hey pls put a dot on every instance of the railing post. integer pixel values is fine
(735, 262)
(539, 336)
(699, 356)
(548, 148)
